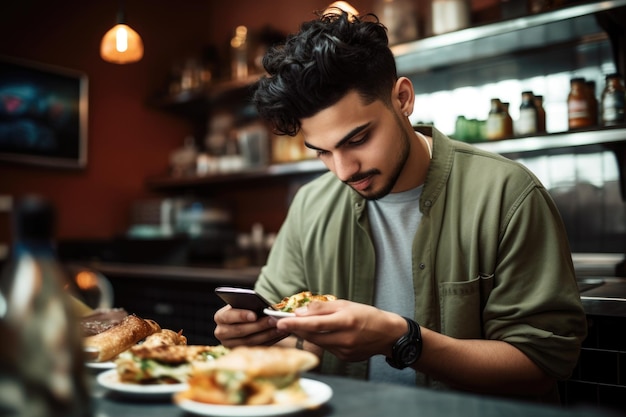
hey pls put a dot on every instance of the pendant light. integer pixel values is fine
(121, 44)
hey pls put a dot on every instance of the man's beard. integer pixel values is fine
(396, 170)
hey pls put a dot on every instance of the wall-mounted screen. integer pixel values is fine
(43, 114)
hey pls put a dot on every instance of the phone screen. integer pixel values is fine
(243, 298)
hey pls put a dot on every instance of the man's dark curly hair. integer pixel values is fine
(316, 67)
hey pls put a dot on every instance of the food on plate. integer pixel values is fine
(165, 337)
(251, 376)
(100, 320)
(163, 364)
(108, 344)
(301, 299)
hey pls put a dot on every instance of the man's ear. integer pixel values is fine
(403, 96)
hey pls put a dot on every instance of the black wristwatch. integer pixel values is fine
(408, 348)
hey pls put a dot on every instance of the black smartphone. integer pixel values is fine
(243, 298)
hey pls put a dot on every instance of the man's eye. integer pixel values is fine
(321, 153)
(359, 141)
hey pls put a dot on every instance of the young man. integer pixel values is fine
(451, 264)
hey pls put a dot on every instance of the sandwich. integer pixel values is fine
(301, 299)
(165, 337)
(106, 345)
(163, 364)
(251, 376)
(100, 320)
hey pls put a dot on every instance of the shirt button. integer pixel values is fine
(428, 203)
(422, 266)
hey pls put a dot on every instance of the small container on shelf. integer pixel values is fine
(593, 101)
(183, 159)
(470, 130)
(239, 54)
(450, 15)
(496, 121)
(579, 105)
(528, 115)
(541, 114)
(613, 101)
(399, 16)
(508, 120)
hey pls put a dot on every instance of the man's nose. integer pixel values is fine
(344, 166)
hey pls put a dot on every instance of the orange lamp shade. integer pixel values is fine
(121, 45)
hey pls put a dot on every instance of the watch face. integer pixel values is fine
(408, 355)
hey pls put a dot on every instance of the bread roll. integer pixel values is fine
(261, 361)
(251, 375)
(110, 343)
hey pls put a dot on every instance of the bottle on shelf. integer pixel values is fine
(399, 16)
(579, 107)
(508, 120)
(593, 101)
(239, 53)
(613, 101)
(495, 126)
(541, 114)
(41, 353)
(460, 128)
(449, 15)
(538, 6)
(527, 122)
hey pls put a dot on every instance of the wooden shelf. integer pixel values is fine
(294, 169)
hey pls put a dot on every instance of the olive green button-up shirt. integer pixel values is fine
(491, 258)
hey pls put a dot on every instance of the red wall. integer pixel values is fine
(127, 140)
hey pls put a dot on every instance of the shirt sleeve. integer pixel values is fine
(535, 303)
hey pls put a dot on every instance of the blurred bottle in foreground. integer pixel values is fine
(41, 358)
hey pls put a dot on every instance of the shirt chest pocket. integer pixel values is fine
(461, 305)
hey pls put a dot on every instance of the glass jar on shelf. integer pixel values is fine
(449, 15)
(527, 122)
(613, 101)
(593, 101)
(508, 120)
(496, 123)
(541, 114)
(399, 16)
(579, 107)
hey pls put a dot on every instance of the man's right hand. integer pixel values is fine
(236, 327)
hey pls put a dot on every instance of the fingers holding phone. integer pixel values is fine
(242, 321)
(243, 298)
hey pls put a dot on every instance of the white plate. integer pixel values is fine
(110, 380)
(318, 393)
(279, 314)
(100, 365)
